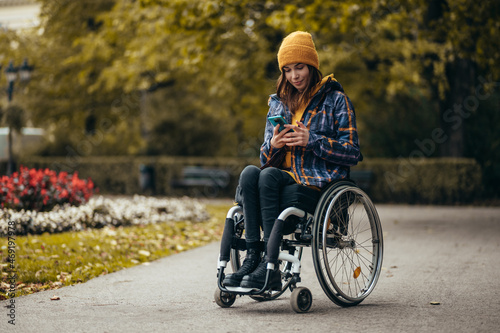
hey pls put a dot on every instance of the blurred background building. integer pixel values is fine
(19, 14)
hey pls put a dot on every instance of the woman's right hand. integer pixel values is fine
(278, 141)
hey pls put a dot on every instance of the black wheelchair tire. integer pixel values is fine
(358, 257)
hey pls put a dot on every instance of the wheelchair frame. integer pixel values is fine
(346, 239)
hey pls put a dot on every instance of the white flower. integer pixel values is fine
(101, 212)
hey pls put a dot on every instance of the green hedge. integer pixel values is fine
(122, 176)
(424, 181)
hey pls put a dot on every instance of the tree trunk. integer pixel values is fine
(453, 110)
(457, 107)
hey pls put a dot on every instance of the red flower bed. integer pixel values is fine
(41, 190)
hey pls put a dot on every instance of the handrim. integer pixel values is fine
(347, 258)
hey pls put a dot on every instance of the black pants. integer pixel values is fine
(260, 191)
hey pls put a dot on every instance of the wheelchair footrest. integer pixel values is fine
(239, 289)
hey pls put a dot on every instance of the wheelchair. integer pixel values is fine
(341, 226)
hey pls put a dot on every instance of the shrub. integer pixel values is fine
(42, 190)
(424, 181)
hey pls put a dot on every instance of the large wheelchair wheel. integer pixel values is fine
(347, 244)
(237, 257)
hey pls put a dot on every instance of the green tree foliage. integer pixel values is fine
(78, 121)
(215, 56)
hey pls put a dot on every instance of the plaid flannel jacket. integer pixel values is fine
(333, 145)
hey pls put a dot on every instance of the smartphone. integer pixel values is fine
(278, 120)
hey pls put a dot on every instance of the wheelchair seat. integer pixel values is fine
(299, 196)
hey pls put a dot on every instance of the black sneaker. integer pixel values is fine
(257, 279)
(250, 263)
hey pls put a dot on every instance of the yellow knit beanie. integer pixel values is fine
(298, 47)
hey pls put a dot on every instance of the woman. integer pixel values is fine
(317, 146)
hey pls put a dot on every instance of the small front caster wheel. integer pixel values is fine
(223, 299)
(301, 299)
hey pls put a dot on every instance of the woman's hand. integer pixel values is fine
(278, 141)
(299, 137)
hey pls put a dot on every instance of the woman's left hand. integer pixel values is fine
(300, 136)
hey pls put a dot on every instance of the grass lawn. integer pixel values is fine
(50, 261)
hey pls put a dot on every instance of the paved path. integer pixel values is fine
(444, 254)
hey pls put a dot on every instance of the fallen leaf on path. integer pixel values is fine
(55, 298)
(435, 303)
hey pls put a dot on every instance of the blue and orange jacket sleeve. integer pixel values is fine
(267, 151)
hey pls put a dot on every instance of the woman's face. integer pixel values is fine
(297, 75)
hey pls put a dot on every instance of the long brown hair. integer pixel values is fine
(293, 98)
